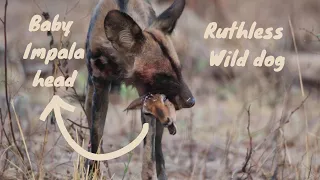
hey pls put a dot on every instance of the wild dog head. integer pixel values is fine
(159, 107)
(156, 67)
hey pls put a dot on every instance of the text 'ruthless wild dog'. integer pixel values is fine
(232, 58)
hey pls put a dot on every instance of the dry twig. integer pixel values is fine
(4, 22)
(78, 124)
(297, 108)
(249, 151)
(245, 169)
(302, 92)
(312, 33)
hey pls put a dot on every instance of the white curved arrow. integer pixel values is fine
(56, 103)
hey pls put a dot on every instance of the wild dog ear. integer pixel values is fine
(135, 104)
(166, 21)
(122, 31)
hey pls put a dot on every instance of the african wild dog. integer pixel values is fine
(127, 42)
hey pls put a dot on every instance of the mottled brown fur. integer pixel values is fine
(126, 42)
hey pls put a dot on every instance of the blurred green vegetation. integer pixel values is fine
(128, 92)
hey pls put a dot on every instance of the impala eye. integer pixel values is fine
(147, 113)
(164, 98)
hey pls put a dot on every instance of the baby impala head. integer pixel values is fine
(159, 107)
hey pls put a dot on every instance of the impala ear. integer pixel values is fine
(172, 110)
(166, 21)
(135, 104)
(123, 32)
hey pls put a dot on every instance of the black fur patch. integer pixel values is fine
(98, 63)
(165, 84)
(110, 66)
(123, 5)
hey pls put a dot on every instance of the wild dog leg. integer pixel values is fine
(161, 172)
(99, 111)
(88, 102)
(88, 105)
